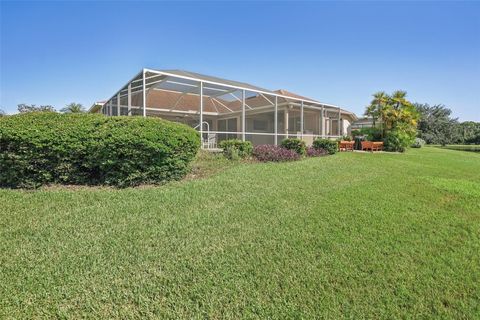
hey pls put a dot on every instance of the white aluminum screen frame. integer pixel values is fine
(130, 89)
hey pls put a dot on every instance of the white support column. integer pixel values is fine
(275, 125)
(118, 104)
(129, 99)
(301, 120)
(285, 121)
(243, 115)
(201, 113)
(322, 123)
(144, 95)
(339, 122)
(110, 107)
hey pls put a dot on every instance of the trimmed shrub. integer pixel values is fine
(418, 143)
(312, 152)
(41, 148)
(235, 148)
(296, 145)
(398, 141)
(330, 146)
(271, 152)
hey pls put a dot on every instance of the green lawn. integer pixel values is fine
(354, 235)
(464, 147)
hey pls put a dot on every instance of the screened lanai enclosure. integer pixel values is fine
(223, 109)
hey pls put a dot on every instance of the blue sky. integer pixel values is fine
(336, 52)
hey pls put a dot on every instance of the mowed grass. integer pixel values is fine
(464, 147)
(355, 235)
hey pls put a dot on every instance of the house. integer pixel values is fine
(225, 109)
(366, 122)
(97, 105)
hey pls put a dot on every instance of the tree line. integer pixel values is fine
(69, 108)
(395, 116)
(437, 126)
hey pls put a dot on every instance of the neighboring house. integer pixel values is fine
(365, 122)
(96, 106)
(227, 109)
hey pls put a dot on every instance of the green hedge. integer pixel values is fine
(296, 145)
(235, 148)
(397, 141)
(328, 145)
(41, 148)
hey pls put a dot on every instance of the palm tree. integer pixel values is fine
(378, 103)
(399, 99)
(404, 110)
(73, 108)
(398, 111)
(399, 116)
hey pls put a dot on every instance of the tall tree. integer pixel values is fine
(470, 132)
(374, 109)
(398, 119)
(399, 99)
(22, 108)
(436, 126)
(73, 108)
(393, 110)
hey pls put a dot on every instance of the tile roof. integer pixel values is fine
(164, 99)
